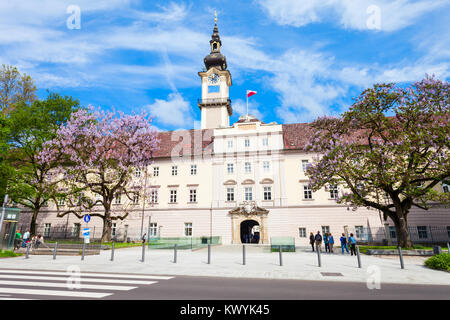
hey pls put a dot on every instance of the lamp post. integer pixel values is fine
(143, 202)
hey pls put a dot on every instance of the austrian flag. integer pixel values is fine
(250, 93)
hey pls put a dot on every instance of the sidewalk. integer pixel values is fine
(226, 261)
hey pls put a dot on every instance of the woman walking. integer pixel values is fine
(311, 240)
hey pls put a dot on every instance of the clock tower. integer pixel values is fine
(215, 103)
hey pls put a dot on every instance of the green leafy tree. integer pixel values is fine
(33, 182)
(15, 88)
(390, 150)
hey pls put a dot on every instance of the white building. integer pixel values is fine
(230, 180)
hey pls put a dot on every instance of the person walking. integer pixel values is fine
(311, 240)
(344, 243)
(25, 238)
(325, 241)
(330, 242)
(17, 238)
(318, 239)
(352, 243)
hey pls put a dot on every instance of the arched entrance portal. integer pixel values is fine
(250, 231)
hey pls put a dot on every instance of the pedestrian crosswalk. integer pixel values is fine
(37, 284)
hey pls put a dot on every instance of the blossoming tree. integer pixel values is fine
(102, 150)
(390, 150)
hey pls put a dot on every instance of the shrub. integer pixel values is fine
(439, 261)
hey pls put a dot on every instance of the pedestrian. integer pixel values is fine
(352, 243)
(325, 241)
(311, 240)
(39, 240)
(144, 237)
(344, 243)
(25, 238)
(17, 240)
(318, 239)
(330, 242)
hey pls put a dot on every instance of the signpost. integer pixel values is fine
(86, 235)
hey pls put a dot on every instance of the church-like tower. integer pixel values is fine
(215, 103)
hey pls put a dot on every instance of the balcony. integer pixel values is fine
(216, 102)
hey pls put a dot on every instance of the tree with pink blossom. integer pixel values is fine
(102, 150)
(390, 150)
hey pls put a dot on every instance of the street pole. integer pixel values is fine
(143, 203)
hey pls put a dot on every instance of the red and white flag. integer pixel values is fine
(250, 93)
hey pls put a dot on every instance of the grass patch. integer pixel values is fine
(9, 254)
(363, 249)
(439, 262)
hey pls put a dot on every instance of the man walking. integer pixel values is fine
(352, 242)
(318, 239)
(25, 238)
(344, 243)
(311, 240)
(325, 241)
(330, 242)
(17, 240)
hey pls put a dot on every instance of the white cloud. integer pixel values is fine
(240, 108)
(174, 112)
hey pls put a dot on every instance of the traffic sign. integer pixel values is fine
(87, 218)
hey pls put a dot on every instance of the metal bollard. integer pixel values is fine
(243, 254)
(359, 257)
(401, 258)
(112, 250)
(54, 251)
(175, 253)
(27, 252)
(82, 251)
(318, 255)
(143, 251)
(209, 254)
(448, 247)
(281, 258)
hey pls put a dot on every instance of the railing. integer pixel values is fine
(214, 101)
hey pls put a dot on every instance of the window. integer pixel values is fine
(265, 142)
(193, 195)
(307, 192)
(114, 230)
(61, 201)
(266, 166)
(230, 194)
(156, 171)
(230, 168)
(188, 229)
(422, 232)
(230, 144)
(153, 229)
(193, 170)
(325, 229)
(174, 170)
(173, 196)
(47, 228)
(154, 196)
(247, 143)
(248, 194)
(359, 231)
(135, 199)
(333, 191)
(304, 165)
(446, 187)
(302, 232)
(76, 230)
(248, 167)
(137, 172)
(267, 193)
(118, 198)
(392, 233)
(448, 231)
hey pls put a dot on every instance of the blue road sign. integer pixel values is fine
(87, 218)
(86, 232)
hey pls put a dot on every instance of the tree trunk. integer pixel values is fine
(107, 224)
(33, 221)
(403, 238)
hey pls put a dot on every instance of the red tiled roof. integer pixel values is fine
(296, 135)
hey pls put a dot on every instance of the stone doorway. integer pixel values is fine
(245, 216)
(250, 231)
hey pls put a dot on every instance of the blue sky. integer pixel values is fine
(305, 58)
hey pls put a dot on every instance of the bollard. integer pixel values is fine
(359, 257)
(209, 254)
(112, 250)
(175, 253)
(318, 255)
(143, 251)
(281, 258)
(401, 258)
(82, 251)
(243, 254)
(448, 247)
(27, 252)
(54, 251)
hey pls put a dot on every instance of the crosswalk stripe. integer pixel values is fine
(98, 275)
(78, 294)
(64, 285)
(68, 277)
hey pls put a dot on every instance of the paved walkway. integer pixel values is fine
(226, 261)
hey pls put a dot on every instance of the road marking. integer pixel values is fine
(78, 294)
(69, 277)
(64, 285)
(98, 275)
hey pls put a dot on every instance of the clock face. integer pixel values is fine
(213, 78)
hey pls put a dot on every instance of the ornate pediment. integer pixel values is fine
(248, 208)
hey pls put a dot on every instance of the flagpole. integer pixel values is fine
(247, 104)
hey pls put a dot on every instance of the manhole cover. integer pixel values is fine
(332, 274)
